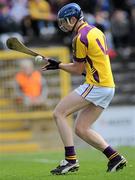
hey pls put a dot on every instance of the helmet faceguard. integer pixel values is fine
(61, 23)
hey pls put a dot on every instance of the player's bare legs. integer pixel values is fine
(71, 103)
(85, 119)
(88, 115)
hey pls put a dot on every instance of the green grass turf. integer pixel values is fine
(37, 166)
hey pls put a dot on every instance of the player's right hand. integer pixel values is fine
(51, 65)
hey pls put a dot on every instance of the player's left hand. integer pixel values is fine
(52, 65)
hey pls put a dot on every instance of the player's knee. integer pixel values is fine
(79, 131)
(57, 114)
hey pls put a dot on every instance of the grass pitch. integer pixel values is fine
(37, 166)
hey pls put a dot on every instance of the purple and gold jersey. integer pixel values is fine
(89, 45)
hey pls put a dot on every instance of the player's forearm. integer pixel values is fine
(70, 68)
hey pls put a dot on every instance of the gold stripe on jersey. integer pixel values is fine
(93, 70)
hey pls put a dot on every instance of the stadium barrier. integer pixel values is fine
(58, 83)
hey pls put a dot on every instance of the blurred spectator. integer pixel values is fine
(120, 27)
(102, 22)
(30, 18)
(8, 27)
(132, 22)
(41, 17)
(7, 23)
(5, 2)
(122, 4)
(31, 87)
(19, 12)
(104, 5)
(87, 6)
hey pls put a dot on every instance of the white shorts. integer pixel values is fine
(100, 96)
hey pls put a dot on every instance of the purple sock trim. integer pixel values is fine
(109, 151)
(70, 151)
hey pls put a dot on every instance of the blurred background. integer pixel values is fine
(28, 95)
